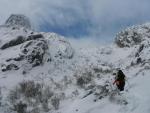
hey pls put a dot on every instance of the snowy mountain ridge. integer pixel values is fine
(42, 73)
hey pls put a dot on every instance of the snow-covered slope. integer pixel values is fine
(42, 72)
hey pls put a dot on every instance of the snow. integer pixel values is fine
(141, 92)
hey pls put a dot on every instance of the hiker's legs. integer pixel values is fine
(121, 86)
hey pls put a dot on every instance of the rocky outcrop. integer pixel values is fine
(59, 46)
(142, 54)
(18, 20)
(33, 51)
(13, 42)
(133, 35)
(9, 67)
(19, 40)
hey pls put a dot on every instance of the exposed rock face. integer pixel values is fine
(133, 35)
(28, 48)
(9, 67)
(142, 54)
(33, 51)
(13, 42)
(19, 40)
(18, 20)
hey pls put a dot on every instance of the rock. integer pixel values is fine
(18, 20)
(60, 47)
(34, 51)
(34, 37)
(142, 54)
(30, 49)
(20, 40)
(133, 35)
(9, 67)
(19, 58)
(14, 42)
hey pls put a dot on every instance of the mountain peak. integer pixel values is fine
(18, 20)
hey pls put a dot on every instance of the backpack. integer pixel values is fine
(120, 76)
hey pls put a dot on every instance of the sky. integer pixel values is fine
(89, 19)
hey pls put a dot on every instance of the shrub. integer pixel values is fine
(55, 102)
(20, 107)
(31, 97)
(30, 89)
(84, 78)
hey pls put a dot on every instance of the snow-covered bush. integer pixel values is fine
(101, 91)
(31, 97)
(83, 80)
(102, 69)
(84, 77)
(30, 89)
(20, 107)
(55, 102)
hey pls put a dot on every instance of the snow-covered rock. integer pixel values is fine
(133, 35)
(29, 47)
(18, 20)
(59, 46)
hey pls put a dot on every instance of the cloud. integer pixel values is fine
(79, 18)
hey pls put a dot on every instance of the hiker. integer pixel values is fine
(120, 80)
